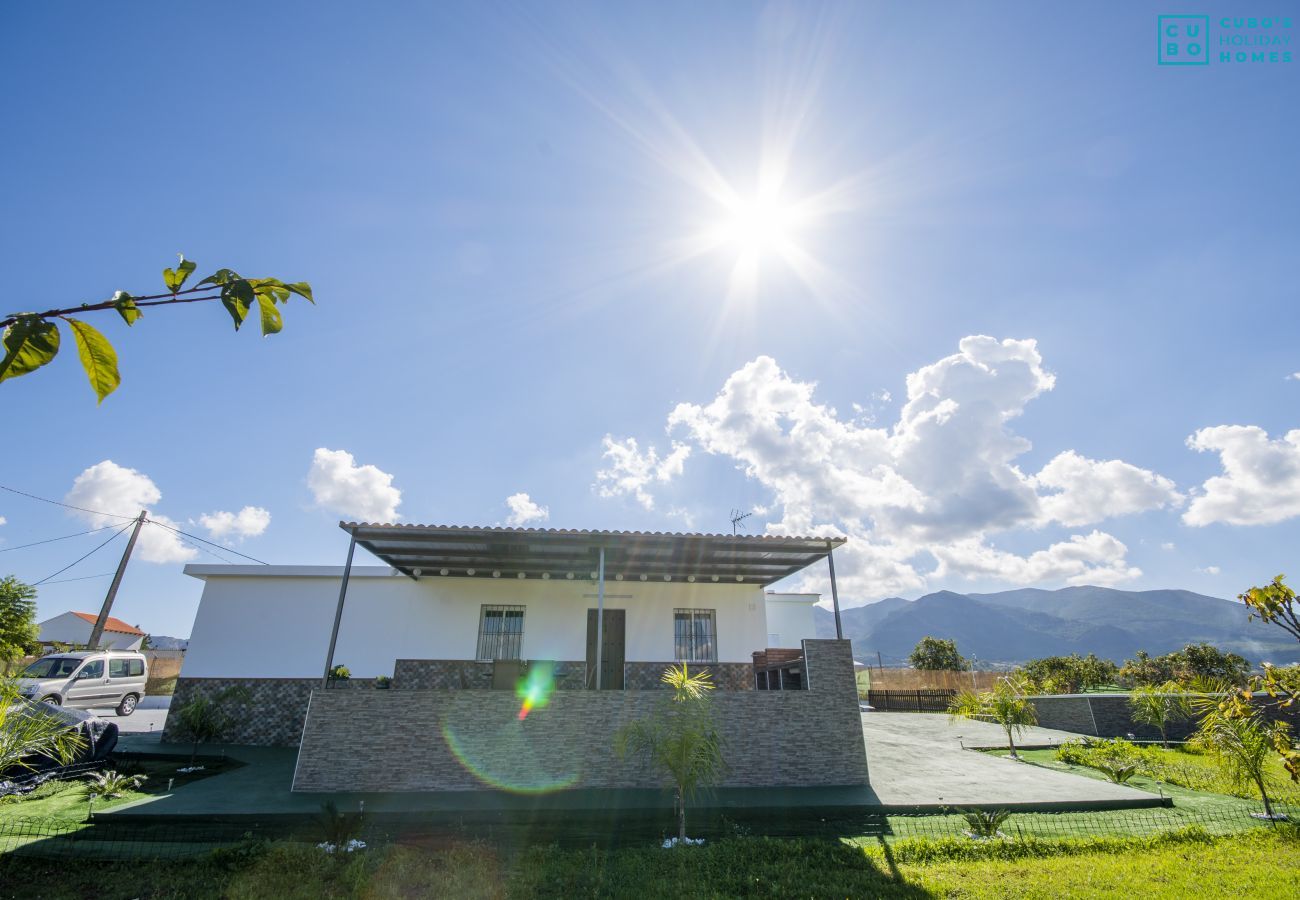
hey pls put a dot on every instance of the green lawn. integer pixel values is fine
(1191, 864)
(66, 800)
(1203, 787)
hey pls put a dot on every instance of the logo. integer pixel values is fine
(1183, 40)
(1188, 41)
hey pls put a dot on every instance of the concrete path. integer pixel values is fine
(149, 716)
(916, 759)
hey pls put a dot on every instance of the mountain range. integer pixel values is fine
(1014, 626)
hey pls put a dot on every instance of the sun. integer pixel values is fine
(757, 225)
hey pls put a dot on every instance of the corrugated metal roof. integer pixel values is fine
(470, 551)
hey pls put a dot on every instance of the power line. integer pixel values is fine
(195, 537)
(94, 512)
(199, 547)
(111, 538)
(82, 578)
(52, 540)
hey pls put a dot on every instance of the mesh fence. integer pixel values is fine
(121, 839)
(1119, 823)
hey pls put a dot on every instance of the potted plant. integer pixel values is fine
(383, 682)
(340, 673)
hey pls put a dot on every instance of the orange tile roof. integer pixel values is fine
(113, 624)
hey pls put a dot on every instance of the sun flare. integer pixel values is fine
(759, 224)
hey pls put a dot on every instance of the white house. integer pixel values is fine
(790, 618)
(75, 627)
(461, 619)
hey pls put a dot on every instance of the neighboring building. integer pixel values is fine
(460, 617)
(790, 618)
(75, 627)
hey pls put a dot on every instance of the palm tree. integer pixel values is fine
(1158, 705)
(30, 730)
(680, 739)
(1242, 744)
(204, 719)
(1006, 705)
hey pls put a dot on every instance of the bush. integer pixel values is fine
(922, 851)
(109, 785)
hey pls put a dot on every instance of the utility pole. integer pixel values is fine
(98, 631)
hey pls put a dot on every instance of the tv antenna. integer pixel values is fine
(738, 520)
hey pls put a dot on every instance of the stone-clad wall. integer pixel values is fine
(1109, 715)
(647, 676)
(460, 674)
(445, 674)
(272, 717)
(470, 740)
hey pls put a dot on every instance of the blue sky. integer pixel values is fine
(516, 221)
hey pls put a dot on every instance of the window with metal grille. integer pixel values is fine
(694, 635)
(501, 632)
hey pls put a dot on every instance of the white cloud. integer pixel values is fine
(363, 493)
(1208, 570)
(921, 498)
(523, 510)
(107, 487)
(1168, 545)
(248, 522)
(1260, 484)
(630, 471)
(3, 521)
(1294, 376)
(1090, 490)
(1095, 558)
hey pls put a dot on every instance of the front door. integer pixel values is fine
(611, 657)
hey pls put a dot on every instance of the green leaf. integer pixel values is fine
(174, 278)
(98, 358)
(270, 287)
(124, 303)
(221, 276)
(302, 289)
(237, 297)
(271, 320)
(30, 343)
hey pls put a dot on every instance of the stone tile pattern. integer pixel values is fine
(648, 676)
(461, 674)
(1109, 715)
(474, 740)
(273, 718)
(441, 674)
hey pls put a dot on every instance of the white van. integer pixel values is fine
(88, 679)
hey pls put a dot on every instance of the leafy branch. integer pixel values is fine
(31, 339)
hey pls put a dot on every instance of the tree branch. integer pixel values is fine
(147, 300)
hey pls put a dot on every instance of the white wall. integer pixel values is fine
(790, 619)
(277, 625)
(72, 629)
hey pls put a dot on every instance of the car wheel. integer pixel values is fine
(127, 706)
(52, 699)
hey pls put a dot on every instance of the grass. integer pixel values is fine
(1191, 863)
(66, 800)
(1198, 783)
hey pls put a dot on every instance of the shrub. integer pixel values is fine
(337, 828)
(985, 822)
(340, 673)
(109, 785)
